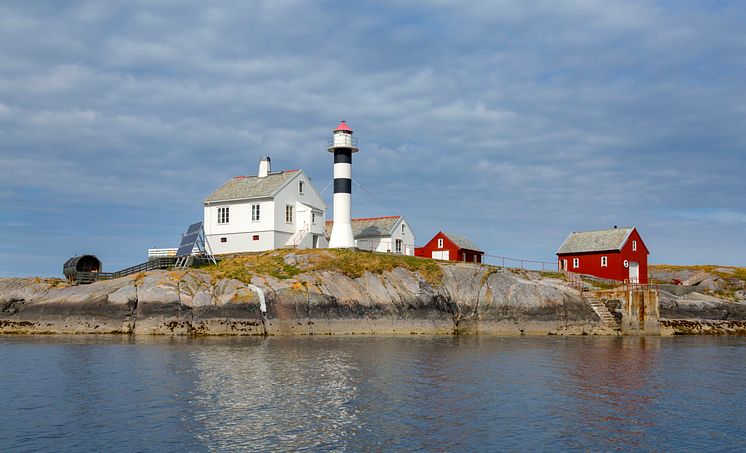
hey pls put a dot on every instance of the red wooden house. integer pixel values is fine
(451, 247)
(616, 254)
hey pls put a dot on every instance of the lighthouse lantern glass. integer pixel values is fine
(343, 139)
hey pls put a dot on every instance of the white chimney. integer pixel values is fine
(265, 167)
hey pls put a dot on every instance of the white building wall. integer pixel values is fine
(387, 244)
(271, 228)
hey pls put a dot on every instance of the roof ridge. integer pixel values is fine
(604, 229)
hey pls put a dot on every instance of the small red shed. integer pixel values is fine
(450, 247)
(616, 254)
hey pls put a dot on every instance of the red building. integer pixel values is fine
(450, 247)
(616, 254)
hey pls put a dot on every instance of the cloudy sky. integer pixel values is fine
(513, 122)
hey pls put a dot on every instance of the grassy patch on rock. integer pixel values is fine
(284, 264)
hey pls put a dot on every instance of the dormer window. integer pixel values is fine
(300, 187)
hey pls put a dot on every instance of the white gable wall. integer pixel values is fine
(387, 244)
(271, 228)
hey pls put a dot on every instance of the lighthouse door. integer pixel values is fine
(634, 272)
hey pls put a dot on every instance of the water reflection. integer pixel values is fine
(292, 395)
(611, 387)
(368, 393)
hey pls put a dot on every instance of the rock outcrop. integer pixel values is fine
(467, 299)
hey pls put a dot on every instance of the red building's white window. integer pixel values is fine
(604, 261)
(634, 246)
(440, 243)
(576, 263)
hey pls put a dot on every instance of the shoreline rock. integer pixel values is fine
(469, 299)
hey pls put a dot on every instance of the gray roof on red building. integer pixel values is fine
(462, 241)
(595, 241)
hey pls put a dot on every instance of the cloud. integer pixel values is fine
(514, 122)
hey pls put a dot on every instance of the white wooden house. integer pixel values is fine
(381, 234)
(264, 212)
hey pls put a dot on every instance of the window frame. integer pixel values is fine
(313, 218)
(301, 187)
(604, 261)
(441, 243)
(224, 215)
(634, 245)
(398, 245)
(289, 213)
(576, 263)
(256, 212)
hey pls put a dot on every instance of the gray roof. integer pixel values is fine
(369, 227)
(246, 187)
(462, 241)
(595, 241)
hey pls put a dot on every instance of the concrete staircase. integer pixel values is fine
(600, 308)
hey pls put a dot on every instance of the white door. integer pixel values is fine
(634, 272)
(440, 255)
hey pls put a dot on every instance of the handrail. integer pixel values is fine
(158, 263)
(545, 265)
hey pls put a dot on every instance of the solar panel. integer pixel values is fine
(189, 240)
(184, 251)
(194, 228)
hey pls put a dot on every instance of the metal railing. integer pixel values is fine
(153, 264)
(518, 263)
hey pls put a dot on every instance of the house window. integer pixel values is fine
(576, 263)
(300, 187)
(403, 228)
(440, 243)
(604, 261)
(398, 245)
(255, 237)
(313, 218)
(223, 215)
(634, 246)
(255, 210)
(288, 214)
(223, 239)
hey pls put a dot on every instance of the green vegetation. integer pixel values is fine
(350, 263)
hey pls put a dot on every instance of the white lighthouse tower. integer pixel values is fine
(343, 145)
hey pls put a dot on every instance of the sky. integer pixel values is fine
(511, 122)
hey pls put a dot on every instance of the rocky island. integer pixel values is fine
(318, 292)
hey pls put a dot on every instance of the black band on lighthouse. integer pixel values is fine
(342, 185)
(343, 156)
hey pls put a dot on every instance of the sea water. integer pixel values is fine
(362, 393)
